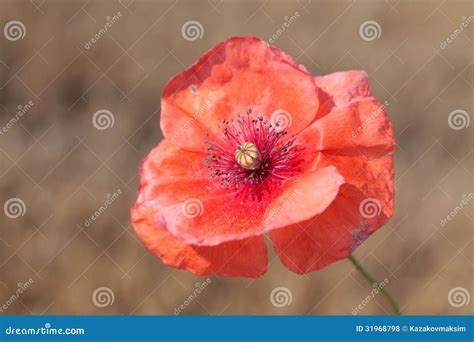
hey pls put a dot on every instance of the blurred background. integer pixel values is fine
(61, 62)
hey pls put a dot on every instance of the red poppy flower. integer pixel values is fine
(255, 144)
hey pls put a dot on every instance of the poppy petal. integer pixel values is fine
(238, 74)
(360, 127)
(372, 176)
(342, 87)
(223, 218)
(309, 195)
(333, 235)
(244, 258)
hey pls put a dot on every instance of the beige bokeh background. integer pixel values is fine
(63, 168)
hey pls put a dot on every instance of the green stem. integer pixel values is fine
(372, 281)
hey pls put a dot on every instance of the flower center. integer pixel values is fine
(253, 156)
(248, 156)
